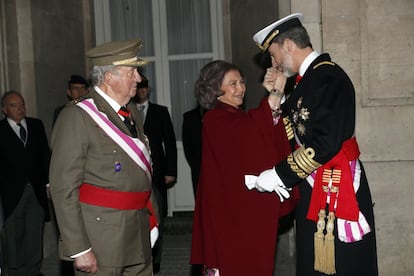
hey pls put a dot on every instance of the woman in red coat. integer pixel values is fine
(234, 228)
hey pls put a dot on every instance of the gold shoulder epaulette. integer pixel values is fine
(323, 63)
(75, 101)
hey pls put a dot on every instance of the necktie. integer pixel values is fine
(141, 109)
(23, 133)
(124, 112)
(298, 78)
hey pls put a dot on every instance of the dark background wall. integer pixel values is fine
(12, 53)
(248, 17)
(58, 51)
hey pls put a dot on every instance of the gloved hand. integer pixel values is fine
(269, 181)
(154, 236)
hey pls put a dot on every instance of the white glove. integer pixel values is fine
(154, 236)
(268, 181)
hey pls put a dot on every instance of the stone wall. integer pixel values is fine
(44, 43)
(59, 51)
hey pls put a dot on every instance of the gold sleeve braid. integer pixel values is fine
(301, 161)
(288, 128)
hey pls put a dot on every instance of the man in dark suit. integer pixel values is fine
(77, 88)
(191, 135)
(24, 165)
(160, 132)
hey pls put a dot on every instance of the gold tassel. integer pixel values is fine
(330, 245)
(319, 264)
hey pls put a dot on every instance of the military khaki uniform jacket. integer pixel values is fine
(83, 153)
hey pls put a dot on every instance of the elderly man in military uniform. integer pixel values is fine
(100, 174)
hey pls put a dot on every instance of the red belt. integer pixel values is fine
(93, 195)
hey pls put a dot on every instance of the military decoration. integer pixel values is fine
(300, 116)
(117, 166)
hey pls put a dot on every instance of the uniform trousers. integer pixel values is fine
(24, 236)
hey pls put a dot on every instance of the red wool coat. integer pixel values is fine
(234, 229)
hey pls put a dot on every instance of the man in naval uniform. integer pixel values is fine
(100, 174)
(335, 228)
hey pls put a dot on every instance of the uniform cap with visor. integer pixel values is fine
(264, 37)
(120, 53)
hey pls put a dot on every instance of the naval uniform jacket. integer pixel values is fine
(20, 164)
(83, 153)
(322, 112)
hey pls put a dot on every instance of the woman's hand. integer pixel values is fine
(274, 80)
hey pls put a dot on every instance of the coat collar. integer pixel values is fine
(103, 106)
(227, 107)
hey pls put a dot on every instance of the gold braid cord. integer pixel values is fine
(323, 63)
(288, 128)
(266, 43)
